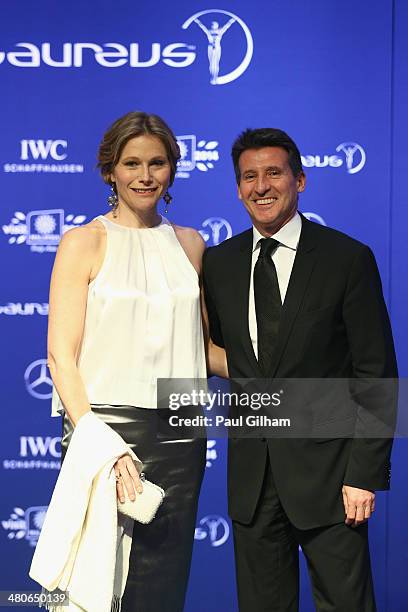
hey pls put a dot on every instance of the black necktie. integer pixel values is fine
(268, 304)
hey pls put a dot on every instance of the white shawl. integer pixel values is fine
(84, 544)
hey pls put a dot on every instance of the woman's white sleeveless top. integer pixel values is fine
(143, 318)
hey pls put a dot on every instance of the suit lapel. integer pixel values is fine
(242, 264)
(299, 279)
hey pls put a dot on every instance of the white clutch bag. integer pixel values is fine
(144, 508)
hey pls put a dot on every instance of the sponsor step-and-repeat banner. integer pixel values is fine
(321, 71)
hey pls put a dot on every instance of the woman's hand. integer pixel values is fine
(127, 477)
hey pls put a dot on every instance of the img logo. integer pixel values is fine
(36, 453)
(213, 527)
(37, 380)
(25, 524)
(33, 446)
(215, 230)
(201, 155)
(214, 33)
(353, 158)
(40, 229)
(39, 156)
(35, 149)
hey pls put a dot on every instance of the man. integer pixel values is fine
(305, 304)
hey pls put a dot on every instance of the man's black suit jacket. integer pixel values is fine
(334, 325)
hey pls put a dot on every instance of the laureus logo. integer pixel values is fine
(352, 157)
(215, 23)
(214, 528)
(312, 216)
(355, 156)
(215, 230)
(211, 453)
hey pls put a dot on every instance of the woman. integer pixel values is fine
(124, 311)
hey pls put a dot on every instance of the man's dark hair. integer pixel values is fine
(266, 137)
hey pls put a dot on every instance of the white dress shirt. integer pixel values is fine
(283, 257)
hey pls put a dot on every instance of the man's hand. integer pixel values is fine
(358, 505)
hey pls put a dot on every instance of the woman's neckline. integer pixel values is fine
(163, 221)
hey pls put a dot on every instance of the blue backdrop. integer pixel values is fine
(330, 73)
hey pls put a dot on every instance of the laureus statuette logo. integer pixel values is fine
(209, 22)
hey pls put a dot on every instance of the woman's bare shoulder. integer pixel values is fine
(190, 237)
(83, 242)
(84, 236)
(192, 243)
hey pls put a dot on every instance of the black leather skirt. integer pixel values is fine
(161, 552)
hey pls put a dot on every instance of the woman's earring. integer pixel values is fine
(167, 198)
(113, 201)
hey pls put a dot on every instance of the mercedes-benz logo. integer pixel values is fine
(37, 380)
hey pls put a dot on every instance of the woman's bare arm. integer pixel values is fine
(79, 258)
(68, 298)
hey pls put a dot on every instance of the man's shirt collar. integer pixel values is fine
(288, 235)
